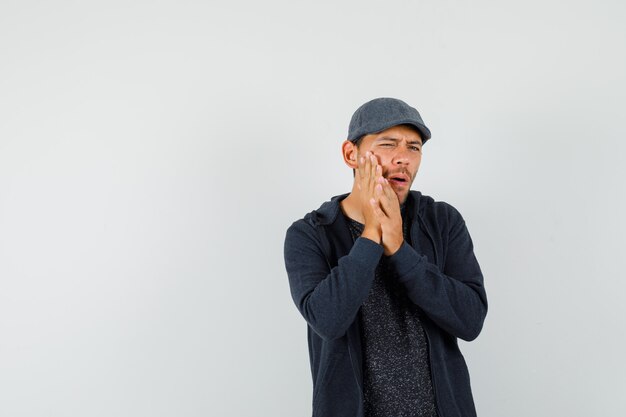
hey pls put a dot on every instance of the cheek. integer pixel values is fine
(383, 159)
(415, 167)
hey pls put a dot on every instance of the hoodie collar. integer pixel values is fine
(327, 213)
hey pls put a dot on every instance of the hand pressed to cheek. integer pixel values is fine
(367, 171)
(389, 199)
(387, 210)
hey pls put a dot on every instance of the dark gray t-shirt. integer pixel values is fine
(396, 374)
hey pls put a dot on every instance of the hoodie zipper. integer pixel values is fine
(432, 377)
(430, 237)
(430, 360)
(358, 383)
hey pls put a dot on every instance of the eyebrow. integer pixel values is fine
(391, 138)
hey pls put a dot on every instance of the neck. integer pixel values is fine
(351, 205)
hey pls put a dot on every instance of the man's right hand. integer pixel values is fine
(367, 171)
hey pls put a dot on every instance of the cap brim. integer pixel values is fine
(422, 129)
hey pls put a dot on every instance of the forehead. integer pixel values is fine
(407, 132)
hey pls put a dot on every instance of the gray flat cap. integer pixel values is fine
(382, 113)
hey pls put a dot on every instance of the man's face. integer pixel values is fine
(399, 152)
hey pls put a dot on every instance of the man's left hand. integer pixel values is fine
(387, 209)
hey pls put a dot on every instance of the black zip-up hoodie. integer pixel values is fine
(330, 278)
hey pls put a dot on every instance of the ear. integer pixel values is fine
(350, 153)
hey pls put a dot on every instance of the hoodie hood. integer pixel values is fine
(328, 211)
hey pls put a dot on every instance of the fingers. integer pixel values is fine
(361, 169)
(387, 197)
(371, 170)
(360, 174)
(378, 191)
(373, 166)
(379, 200)
(390, 193)
(367, 170)
(380, 215)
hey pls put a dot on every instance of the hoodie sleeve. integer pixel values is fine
(454, 298)
(328, 299)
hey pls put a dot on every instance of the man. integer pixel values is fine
(387, 280)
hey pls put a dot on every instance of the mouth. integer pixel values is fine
(401, 180)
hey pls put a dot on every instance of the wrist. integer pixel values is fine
(371, 234)
(391, 249)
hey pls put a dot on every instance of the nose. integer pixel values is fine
(402, 156)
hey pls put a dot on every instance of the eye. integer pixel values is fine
(415, 148)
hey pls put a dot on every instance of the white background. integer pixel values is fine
(152, 155)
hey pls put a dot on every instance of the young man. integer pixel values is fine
(387, 280)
